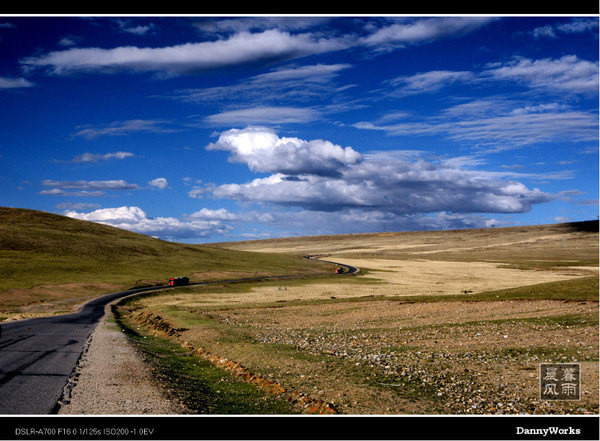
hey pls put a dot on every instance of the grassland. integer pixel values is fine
(452, 322)
(51, 263)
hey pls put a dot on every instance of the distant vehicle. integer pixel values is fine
(178, 281)
(339, 270)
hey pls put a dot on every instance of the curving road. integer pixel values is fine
(37, 356)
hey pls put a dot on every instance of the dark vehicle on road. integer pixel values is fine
(178, 281)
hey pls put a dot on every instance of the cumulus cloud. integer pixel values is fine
(264, 151)
(135, 219)
(320, 176)
(159, 183)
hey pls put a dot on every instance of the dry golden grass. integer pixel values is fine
(436, 322)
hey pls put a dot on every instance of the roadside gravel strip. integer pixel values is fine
(112, 378)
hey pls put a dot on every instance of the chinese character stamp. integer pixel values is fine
(560, 381)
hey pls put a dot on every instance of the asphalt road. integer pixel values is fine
(37, 356)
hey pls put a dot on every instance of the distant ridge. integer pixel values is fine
(589, 226)
(43, 248)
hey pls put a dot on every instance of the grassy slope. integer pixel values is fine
(38, 248)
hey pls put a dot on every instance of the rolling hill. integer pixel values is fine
(46, 257)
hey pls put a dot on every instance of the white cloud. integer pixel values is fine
(222, 214)
(244, 47)
(240, 48)
(318, 73)
(14, 83)
(79, 194)
(497, 123)
(424, 30)
(121, 128)
(241, 24)
(575, 26)
(77, 206)
(98, 157)
(69, 41)
(563, 219)
(263, 115)
(115, 184)
(135, 219)
(508, 130)
(264, 151)
(429, 81)
(403, 184)
(130, 28)
(544, 32)
(160, 183)
(566, 74)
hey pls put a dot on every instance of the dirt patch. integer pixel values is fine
(47, 300)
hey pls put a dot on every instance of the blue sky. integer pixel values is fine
(206, 129)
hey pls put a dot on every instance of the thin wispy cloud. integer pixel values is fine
(86, 158)
(263, 115)
(14, 83)
(122, 128)
(114, 184)
(566, 74)
(575, 26)
(242, 47)
(503, 125)
(290, 83)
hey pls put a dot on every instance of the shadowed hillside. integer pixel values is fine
(39, 249)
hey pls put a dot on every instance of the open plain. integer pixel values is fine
(454, 322)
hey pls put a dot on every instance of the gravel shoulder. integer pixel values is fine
(112, 379)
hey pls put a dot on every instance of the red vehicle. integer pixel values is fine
(339, 270)
(178, 281)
